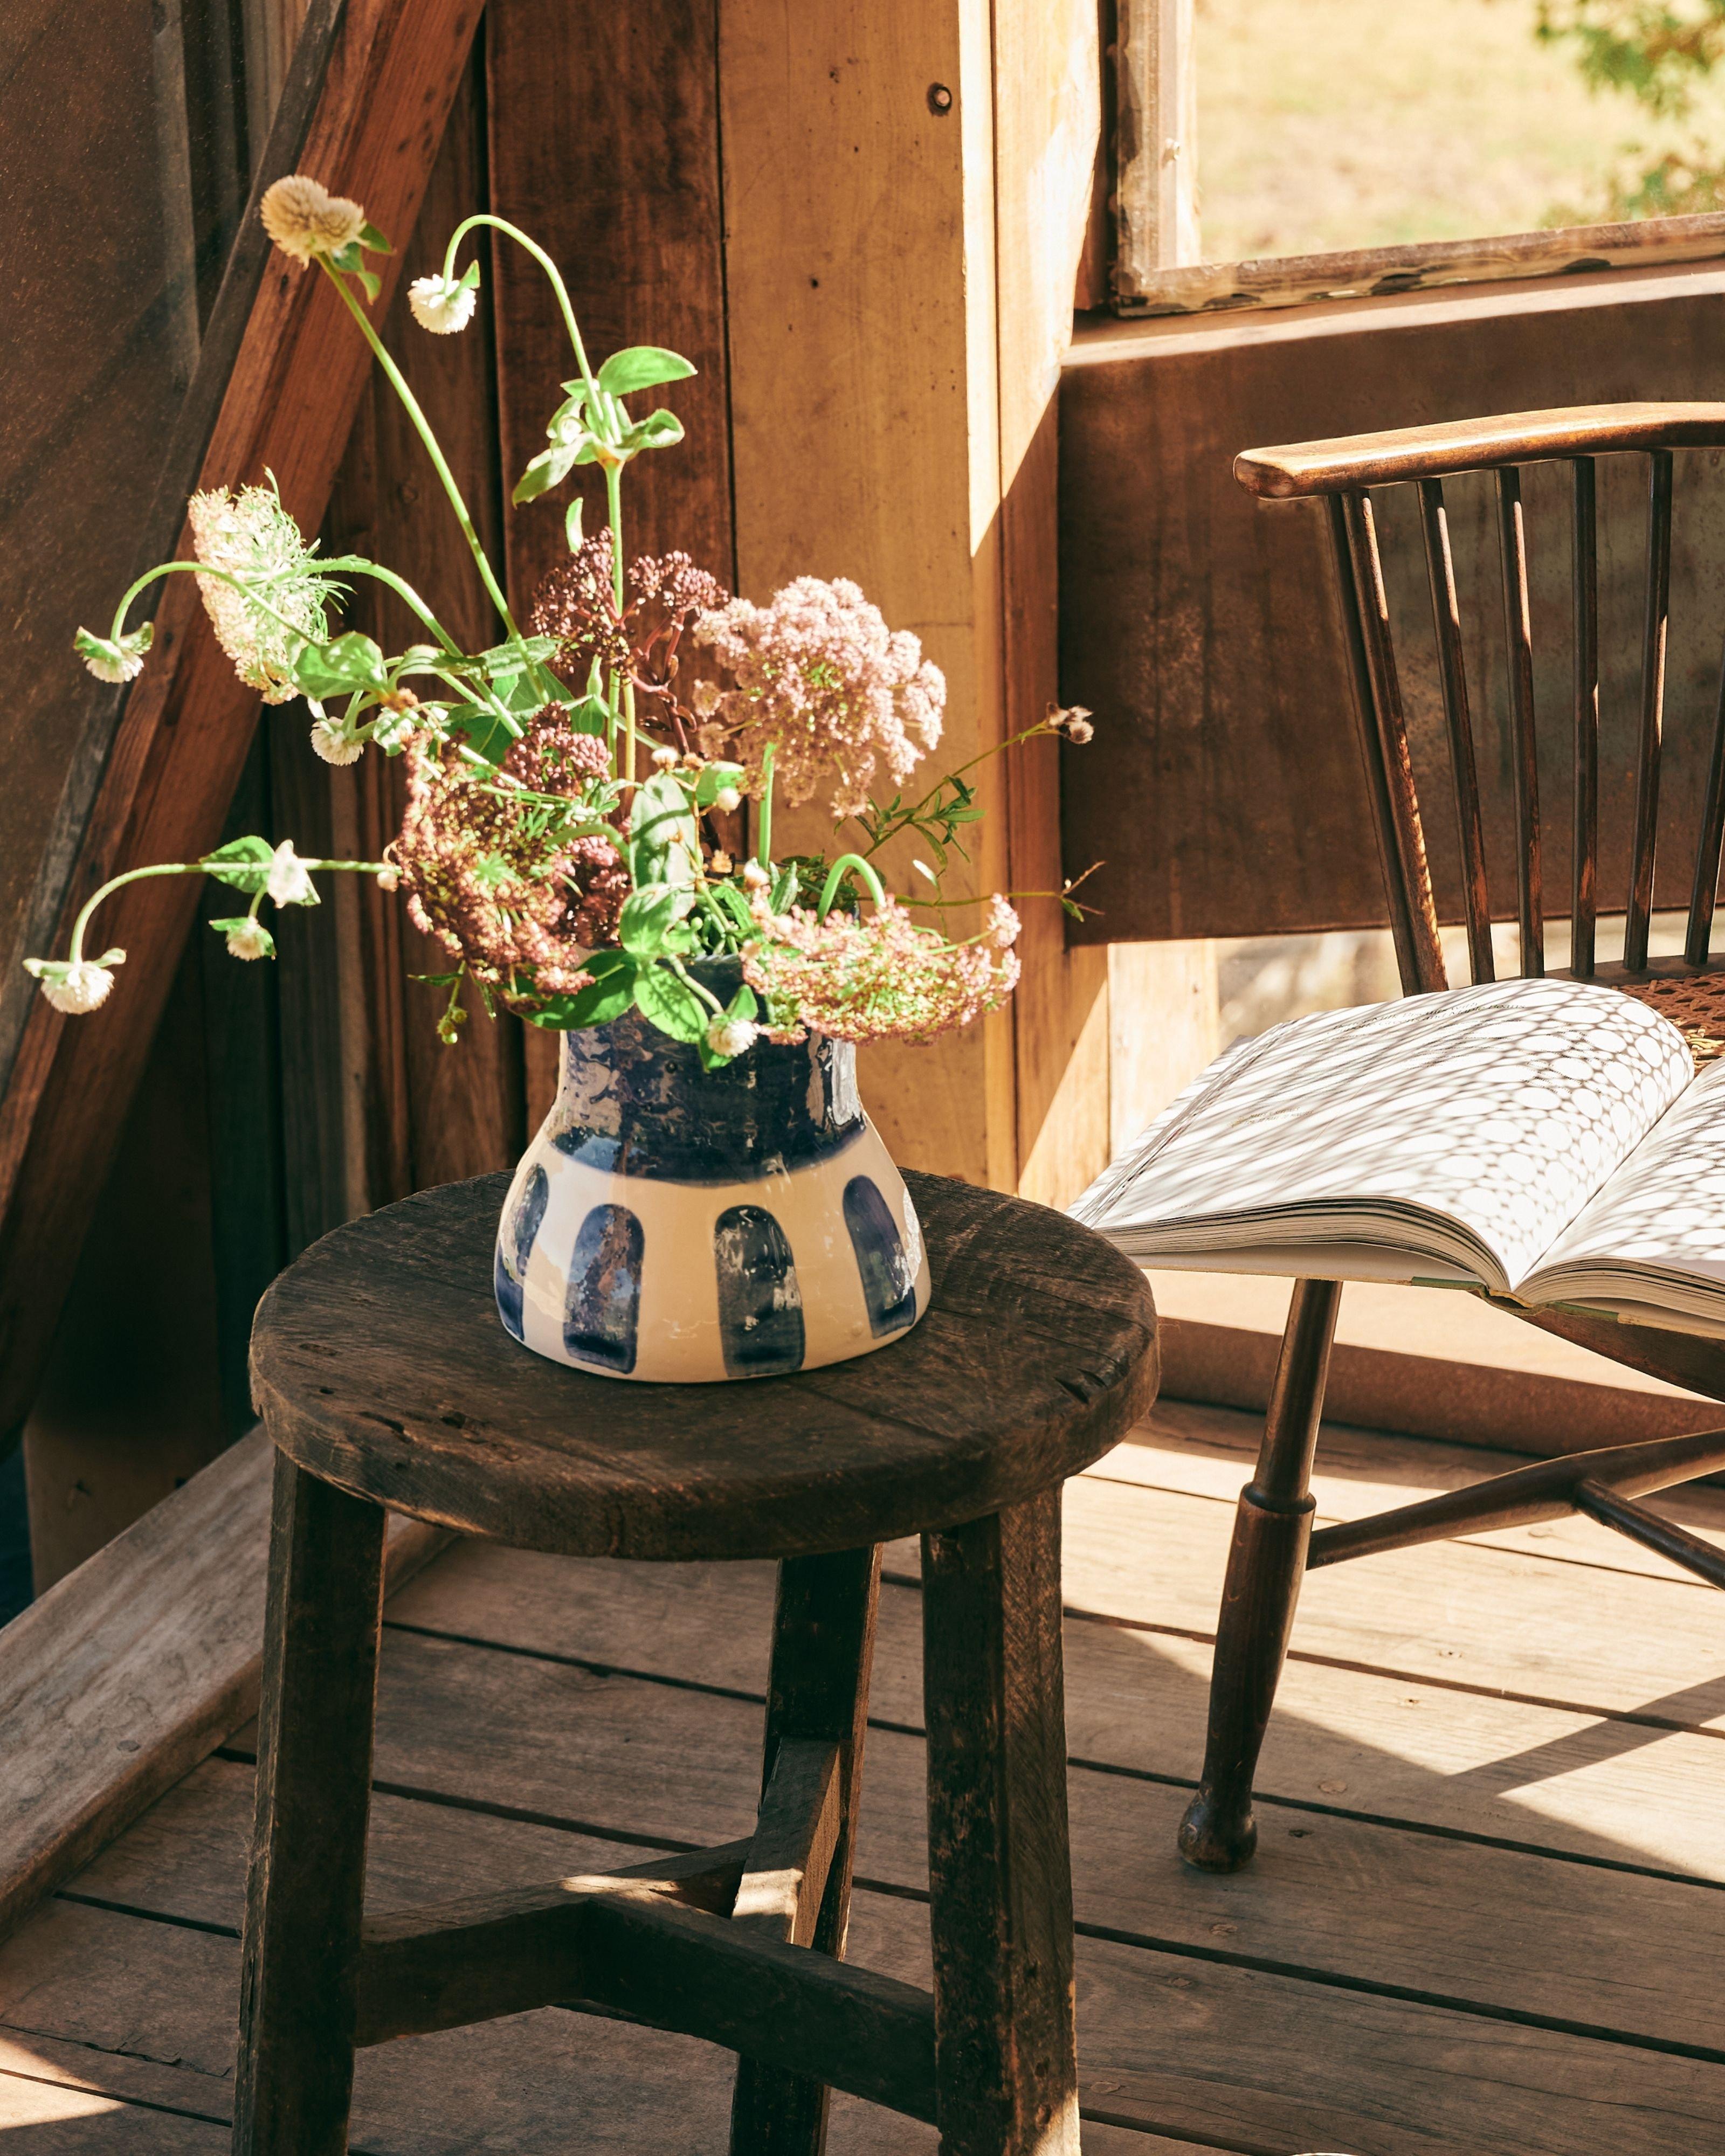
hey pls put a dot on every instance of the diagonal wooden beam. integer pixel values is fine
(166, 784)
(779, 1895)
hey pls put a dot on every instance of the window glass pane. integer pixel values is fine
(1338, 124)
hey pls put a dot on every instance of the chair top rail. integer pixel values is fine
(1300, 468)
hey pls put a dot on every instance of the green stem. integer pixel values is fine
(421, 426)
(908, 816)
(763, 850)
(515, 232)
(247, 591)
(689, 981)
(360, 567)
(76, 949)
(835, 876)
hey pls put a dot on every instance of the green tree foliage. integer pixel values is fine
(1657, 54)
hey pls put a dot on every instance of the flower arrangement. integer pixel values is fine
(560, 839)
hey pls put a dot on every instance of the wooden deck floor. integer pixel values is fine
(1487, 1917)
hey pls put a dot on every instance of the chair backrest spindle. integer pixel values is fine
(1518, 639)
(1704, 889)
(1389, 768)
(1452, 675)
(1584, 880)
(1650, 738)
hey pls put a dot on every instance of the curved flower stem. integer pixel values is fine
(689, 981)
(906, 817)
(421, 426)
(763, 850)
(206, 867)
(356, 565)
(835, 876)
(200, 569)
(515, 232)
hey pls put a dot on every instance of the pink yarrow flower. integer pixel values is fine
(884, 978)
(818, 674)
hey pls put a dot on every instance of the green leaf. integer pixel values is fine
(642, 367)
(591, 716)
(659, 430)
(670, 1004)
(266, 941)
(482, 730)
(352, 661)
(245, 863)
(647, 914)
(608, 996)
(372, 281)
(713, 779)
(371, 238)
(784, 893)
(664, 838)
(571, 523)
(549, 469)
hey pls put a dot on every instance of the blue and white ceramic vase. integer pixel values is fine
(678, 1224)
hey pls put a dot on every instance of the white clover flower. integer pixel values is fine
(332, 741)
(249, 938)
(76, 985)
(755, 877)
(732, 1036)
(663, 758)
(727, 800)
(114, 658)
(304, 219)
(289, 880)
(444, 305)
(249, 535)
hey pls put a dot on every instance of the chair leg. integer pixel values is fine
(295, 2079)
(1266, 1564)
(1000, 1886)
(823, 1647)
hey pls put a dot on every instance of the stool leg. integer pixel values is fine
(1000, 1883)
(1266, 1563)
(295, 2079)
(822, 1645)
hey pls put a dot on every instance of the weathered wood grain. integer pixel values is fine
(1000, 1893)
(1197, 624)
(305, 1883)
(182, 740)
(1037, 1352)
(131, 1669)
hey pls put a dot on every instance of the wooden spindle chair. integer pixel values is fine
(1274, 1543)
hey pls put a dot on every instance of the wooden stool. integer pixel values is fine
(385, 1378)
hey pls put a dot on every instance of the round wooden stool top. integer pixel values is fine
(379, 1364)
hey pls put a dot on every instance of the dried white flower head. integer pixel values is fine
(704, 699)
(754, 876)
(76, 985)
(249, 535)
(721, 864)
(249, 938)
(1073, 722)
(114, 658)
(732, 1036)
(727, 800)
(289, 882)
(332, 741)
(663, 758)
(444, 305)
(304, 219)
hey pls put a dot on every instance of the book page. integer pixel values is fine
(1663, 1213)
(1502, 1108)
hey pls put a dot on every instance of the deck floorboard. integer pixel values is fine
(1488, 1915)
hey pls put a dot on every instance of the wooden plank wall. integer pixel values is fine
(1199, 624)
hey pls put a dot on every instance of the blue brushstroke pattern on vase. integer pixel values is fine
(602, 1315)
(889, 1280)
(515, 1247)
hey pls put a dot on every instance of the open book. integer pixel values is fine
(1547, 1140)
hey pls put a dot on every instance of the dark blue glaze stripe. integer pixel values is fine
(760, 1302)
(518, 1240)
(888, 1284)
(603, 1309)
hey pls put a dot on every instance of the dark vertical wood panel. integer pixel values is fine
(1222, 790)
(604, 145)
(1452, 675)
(428, 1113)
(1650, 737)
(1518, 644)
(1584, 840)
